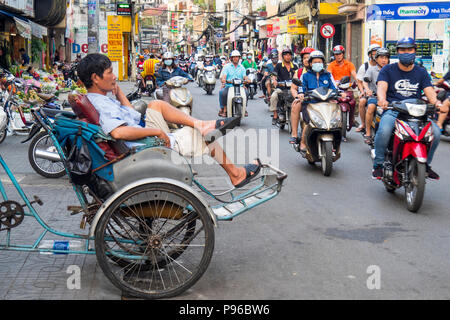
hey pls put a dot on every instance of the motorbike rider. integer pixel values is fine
(341, 67)
(231, 71)
(150, 66)
(397, 82)
(443, 112)
(140, 63)
(270, 67)
(371, 52)
(317, 76)
(304, 56)
(208, 60)
(285, 70)
(249, 63)
(370, 89)
(169, 70)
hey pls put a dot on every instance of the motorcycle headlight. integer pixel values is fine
(336, 120)
(317, 119)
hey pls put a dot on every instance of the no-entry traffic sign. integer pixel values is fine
(327, 30)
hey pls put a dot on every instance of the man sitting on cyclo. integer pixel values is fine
(121, 121)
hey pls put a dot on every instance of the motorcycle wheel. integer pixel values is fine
(344, 125)
(44, 167)
(415, 190)
(3, 135)
(327, 158)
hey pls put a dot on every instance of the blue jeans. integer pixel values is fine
(223, 96)
(384, 132)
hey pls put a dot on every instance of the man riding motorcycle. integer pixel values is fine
(370, 89)
(230, 71)
(285, 70)
(150, 68)
(371, 51)
(314, 78)
(443, 112)
(270, 67)
(397, 82)
(249, 63)
(341, 67)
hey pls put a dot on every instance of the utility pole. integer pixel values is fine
(133, 48)
(93, 25)
(250, 26)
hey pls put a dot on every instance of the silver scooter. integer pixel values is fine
(209, 79)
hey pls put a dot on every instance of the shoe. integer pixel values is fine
(432, 174)
(377, 173)
(274, 121)
(251, 171)
(222, 125)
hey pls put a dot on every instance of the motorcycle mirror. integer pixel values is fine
(345, 79)
(297, 82)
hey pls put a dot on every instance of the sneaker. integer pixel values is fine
(377, 173)
(432, 174)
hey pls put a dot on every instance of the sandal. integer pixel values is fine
(222, 125)
(222, 114)
(361, 129)
(294, 140)
(252, 171)
(368, 139)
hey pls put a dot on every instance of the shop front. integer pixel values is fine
(428, 23)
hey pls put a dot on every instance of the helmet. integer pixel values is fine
(406, 43)
(274, 51)
(286, 51)
(383, 52)
(273, 55)
(316, 54)
(141, 57)
(235, 53)
(306, 50)
(373, 47)
(167, 55)
(338, 49)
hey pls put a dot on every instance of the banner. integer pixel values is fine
(115, 45)
(23, 27)
(409, 11)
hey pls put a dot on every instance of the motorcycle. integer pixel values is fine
(347, 106)
(148, 88)
(285, 100)
(218, 70)
(208, 79)
(236, 100)
(323, 129)
(407, 153)
(183, 65)
(253, 82)
(179, 96)
(199, 75)
(192, 67)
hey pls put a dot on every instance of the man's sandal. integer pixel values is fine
(252, 171)
(222, 125)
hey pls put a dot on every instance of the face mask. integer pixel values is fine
(407, 59)
(168, 62)
(317, 67)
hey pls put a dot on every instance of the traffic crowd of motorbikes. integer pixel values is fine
(403, 110)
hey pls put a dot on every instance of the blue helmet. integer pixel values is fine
(406, 43)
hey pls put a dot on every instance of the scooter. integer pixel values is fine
(406, 157)
(285, 100)
(323, 129)
(253, 82)
(192, 67)
(347, 106)
(208, 79)
(183, 65)
(199, 76)
(179, 96)
(237, 99)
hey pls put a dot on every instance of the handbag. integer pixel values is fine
(79, 161)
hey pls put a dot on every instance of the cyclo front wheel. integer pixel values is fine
(154, 241)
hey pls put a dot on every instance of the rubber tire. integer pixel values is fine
(3, 135)
(103, 259)
(344, 124)
(327, 160)
(33, 164)
(415, 204)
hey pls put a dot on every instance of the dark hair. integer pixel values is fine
(29, 68)
(93, 63)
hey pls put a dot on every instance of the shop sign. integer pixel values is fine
(295, 26)
(270, 30)
(412, 11)
(115, 45)
(123, 9)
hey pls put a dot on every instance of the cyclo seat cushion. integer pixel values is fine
(86, 112)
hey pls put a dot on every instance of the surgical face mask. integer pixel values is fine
(317, 67)
(168, 62)
(244, 57)
(407, 59)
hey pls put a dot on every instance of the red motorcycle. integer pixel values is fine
(407, 154)
(347, 105)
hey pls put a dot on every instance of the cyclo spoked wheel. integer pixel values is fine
(154, 241)
(415, 190)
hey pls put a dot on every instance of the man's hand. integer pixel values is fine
(369, 93)
(300, 97)
(383, 104)
(165, 137)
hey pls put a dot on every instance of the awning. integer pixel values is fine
(22, 24)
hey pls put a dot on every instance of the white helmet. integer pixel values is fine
(316, 54)
(167, 55)
(235, 53)
(373, 47)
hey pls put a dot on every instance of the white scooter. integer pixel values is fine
(209, 79)
(237, 99)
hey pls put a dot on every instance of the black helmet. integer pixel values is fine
(383, 52)
(286, 51)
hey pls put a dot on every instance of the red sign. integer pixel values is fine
(270, 30)
(327, 30)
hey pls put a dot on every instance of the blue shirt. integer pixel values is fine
(270, 67)
(233, 72)
(310, 81)
(164, 74)
(404, 84)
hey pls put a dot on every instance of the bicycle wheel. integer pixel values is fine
(154, 241)
(45, 167)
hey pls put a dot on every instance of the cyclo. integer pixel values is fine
(150, 229)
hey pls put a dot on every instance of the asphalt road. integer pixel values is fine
(337, 237)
